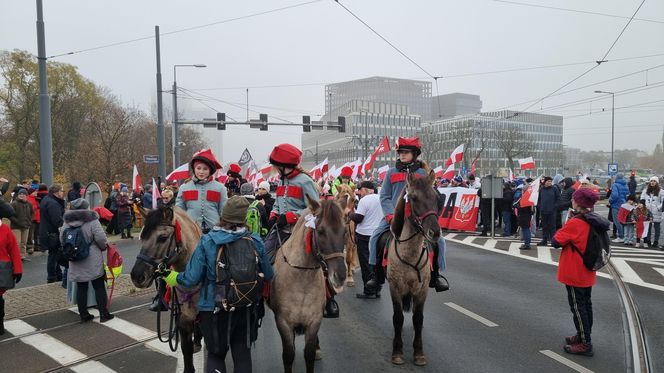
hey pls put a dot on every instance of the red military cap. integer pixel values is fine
(410, 143)
(206, 157)
(234, 168)
(285, 155)
(346, 172)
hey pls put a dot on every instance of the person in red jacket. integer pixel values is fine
(33, 236)
(578, 279)
(9, 252)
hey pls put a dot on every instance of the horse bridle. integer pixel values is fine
(315, 250)
(175, 249)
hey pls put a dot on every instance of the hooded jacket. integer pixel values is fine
(92, 267)
(23, 216)
(51, 210)
(619, 193)
(9, 251)
(565, 201)
(653, 203)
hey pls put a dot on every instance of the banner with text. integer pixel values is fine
(460, 209)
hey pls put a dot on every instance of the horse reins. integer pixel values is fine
(312, 240)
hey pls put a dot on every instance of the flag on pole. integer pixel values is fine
(472, 167)
(179, 173)
(245, 158)
(155, 194)
(383, 171)
(135, 179)
(438, 171)
(449, 172)
(266, 169)
(527, 163)
(512, 177)
(456, 156)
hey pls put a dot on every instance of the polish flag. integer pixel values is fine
(179, 173)
(357, 169)
(135, 179)
(527, 163)
(449, 172)
(438, 171)
(531, 193)
(266, 169)
(456, 156)
(324, 166)
(333, 172)
(383, 171)
(155, 194)
(472, 167)
(512, 177)
(383, 147)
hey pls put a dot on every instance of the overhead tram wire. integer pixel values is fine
(575, 11)
(598, 63)
(103, 46)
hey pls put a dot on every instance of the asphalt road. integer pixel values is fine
(521, 297)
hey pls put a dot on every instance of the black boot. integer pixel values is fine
(331, 309)
(438, 282)
(369, 293)
(105, 315)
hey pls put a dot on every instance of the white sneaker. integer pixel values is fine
(618, 240)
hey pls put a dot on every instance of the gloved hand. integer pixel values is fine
(389, 218)
(282, 221)
(17, 277)
(272, 220)
(171, 279)
(291, 217)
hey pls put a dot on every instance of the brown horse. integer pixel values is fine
(169, 236)
(297, 292)
(415, 227)
(346, 199)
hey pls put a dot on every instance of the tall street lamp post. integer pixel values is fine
(176, 139)
(613, 106)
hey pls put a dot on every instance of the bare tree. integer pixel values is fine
(513, 142)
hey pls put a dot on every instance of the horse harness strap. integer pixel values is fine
(171, 256)
(311, 246)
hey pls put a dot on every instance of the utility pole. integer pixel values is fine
(161, 136)
(176, 140)
(45, 140)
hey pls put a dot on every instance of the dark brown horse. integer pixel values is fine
(169, 236)
(415, 227)
(297, 292)
(346, 199)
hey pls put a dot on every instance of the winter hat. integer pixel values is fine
(22, 191)
(585, 197)
(246, 189)
(80, 204)
(124, 190)
(264, 185)
(654, 178)
(235, 210)
(42, 187)
(546, 178)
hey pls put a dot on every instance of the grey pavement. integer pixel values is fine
(520, 296)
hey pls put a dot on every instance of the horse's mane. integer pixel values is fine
(331, 211)
(154, 219)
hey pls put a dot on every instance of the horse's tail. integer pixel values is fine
(407, 302)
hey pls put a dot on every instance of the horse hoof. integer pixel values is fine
(350, 283)
(397, 360)
(319, 354)
(420, 361)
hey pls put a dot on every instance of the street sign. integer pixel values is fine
(151, 159)
(613, 169)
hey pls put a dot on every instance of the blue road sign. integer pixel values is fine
(613, 169)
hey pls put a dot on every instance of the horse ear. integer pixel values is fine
(313, 204)
(432, 177)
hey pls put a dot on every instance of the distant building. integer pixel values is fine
(454, 104)
(374, 107)
(572, 157)
(539, 135)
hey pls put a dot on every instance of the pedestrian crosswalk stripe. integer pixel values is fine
(469, 239)
(91, 366)
(450, 235)
(131, 330)
(55, 349)
(19, 327)
(626, 272)
(514, 249)
(544, 254)
(490, 243)
(566, 361)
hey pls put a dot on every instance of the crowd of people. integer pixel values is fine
(227, 212)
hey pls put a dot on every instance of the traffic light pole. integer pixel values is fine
(262, 124)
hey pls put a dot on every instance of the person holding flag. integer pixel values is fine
(408, 149)
(343, 178)
(203, 197)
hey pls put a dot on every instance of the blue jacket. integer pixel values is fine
(548, 200)
(619, 193)
(201, 266)
(292, 192)
(202, 201)
(147, 200)
(394, 183)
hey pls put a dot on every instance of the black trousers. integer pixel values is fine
(225, 330)
(273, 241)
(99, 284)
(582, 310)
(2, 308)
(362, 242)
(548, 225)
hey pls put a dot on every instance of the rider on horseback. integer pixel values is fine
(294, 187)
(409, 149)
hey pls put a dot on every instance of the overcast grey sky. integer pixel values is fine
(320, 42)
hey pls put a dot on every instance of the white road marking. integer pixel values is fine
(626, 272)
(19, 327)
(91, 367)
(131, 330)
(164, 349)
(544, 254)
(565, 361)
(514, 249)
(469, 239)
(490, 243)
(55, 349)
(450, 235)
(471, 314)
(660, 270)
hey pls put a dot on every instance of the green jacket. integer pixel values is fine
(337, 182)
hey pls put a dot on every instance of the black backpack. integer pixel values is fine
(598, 247)
(74, 245)
(239, 276)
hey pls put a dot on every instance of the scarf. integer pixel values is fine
(409, 167)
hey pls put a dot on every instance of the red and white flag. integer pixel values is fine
(449, 172)
(135, 179)
(155, 194)
(472, 167)
(512, 177)
(266, 169)
(456, 156)
(220, 176)
(527, 163)
(383, 171)
(531, 193)
(357, 169)
(179, 173)
(438, 171)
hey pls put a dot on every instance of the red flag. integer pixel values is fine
(527, 163)
(456, 156)
(449, 172)
(383, 171)
(472, 167)
(438, 171)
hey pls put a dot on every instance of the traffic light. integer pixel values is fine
(221, 118)
(306, 120)
(342, 124)
(263, 119)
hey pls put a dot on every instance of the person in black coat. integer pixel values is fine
(631, 184)
(75, 192)
(263, 194)
(506, 207)
(547, 205)
(52, 210)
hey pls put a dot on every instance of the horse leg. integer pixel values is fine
(187, 345)
(198, 337)
(310, 346)
(287, 343)
(397, 321)
(350, 282)
(319, 354)
(418, 321)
